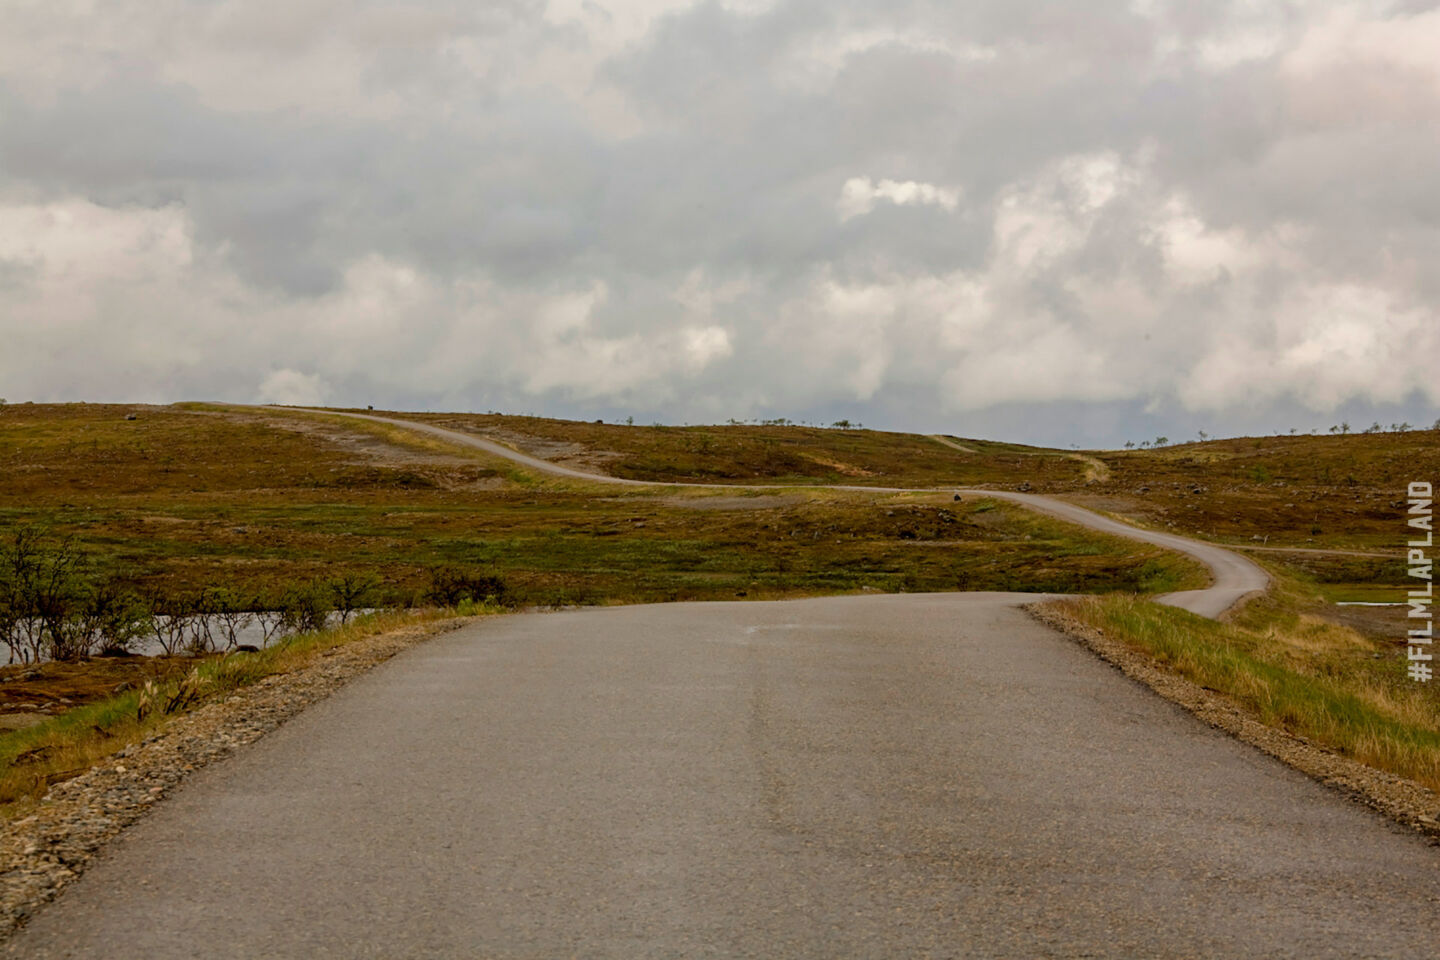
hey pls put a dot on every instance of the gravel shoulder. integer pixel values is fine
(1399, 799)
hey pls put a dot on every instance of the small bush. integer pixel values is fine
(306, 608)
(450, 586)
(51, 606)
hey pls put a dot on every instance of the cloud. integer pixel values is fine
(860, 194)
(293, 388)
(921, 214)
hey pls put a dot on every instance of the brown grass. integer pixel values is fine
(1293, 670)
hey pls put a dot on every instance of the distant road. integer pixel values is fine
(931, 775)
(1235, 577)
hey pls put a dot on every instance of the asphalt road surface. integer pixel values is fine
(1234, 577)
(877, 776)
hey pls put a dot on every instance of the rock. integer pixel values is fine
(957, 498)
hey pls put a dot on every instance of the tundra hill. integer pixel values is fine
(743, 453)
(1331, 492)
(1305, 505)
(192, 495)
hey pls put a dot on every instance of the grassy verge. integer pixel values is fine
(1286, 664)
(60, 747)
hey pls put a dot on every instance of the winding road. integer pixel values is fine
(926, 775)
(1233, 577)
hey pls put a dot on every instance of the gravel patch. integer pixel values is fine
(1400, 799)
(44, 852)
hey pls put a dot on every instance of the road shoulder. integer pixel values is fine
(45, 852)
(1399, 799)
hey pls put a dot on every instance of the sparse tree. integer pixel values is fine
(169, 622)
(352, 591)
(306, 608)
(1161, 441)
(1129, 444)
(57, 595)
(110, 620)
(271, 622)
(200, 625)
(1203, 435)
(232, 616)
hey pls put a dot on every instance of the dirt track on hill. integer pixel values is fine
(1235, 577)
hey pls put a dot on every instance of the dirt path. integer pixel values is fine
(1095, 469)
(946, 441)
(1235, 577)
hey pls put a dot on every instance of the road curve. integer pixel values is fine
(1234, 577)
(926, 775)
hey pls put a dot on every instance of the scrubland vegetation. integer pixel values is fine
(174, 528)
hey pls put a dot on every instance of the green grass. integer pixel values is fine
(1291, 669)
(1362, 592)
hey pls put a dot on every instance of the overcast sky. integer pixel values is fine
(1056, 221)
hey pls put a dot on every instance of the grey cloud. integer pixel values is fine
(1152, 207)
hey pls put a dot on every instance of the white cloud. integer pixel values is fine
(293, 388)
(860, 194)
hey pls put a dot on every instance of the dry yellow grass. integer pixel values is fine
(1293, 670)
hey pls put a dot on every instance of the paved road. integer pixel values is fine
(892, 776)
(1234, 577)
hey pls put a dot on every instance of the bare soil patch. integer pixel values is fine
(44, 689)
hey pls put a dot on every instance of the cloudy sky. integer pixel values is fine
(1063, 221)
